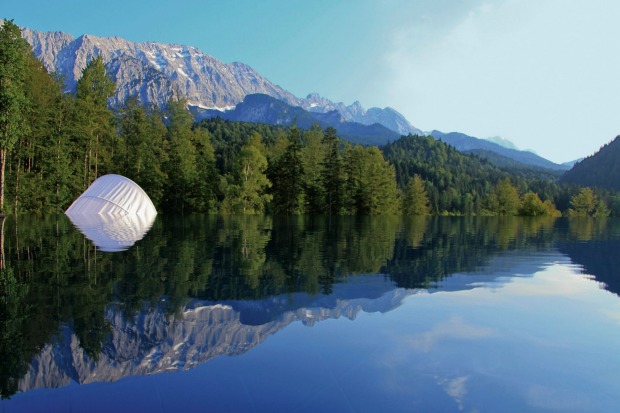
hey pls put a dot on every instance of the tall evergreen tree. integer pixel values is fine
(287, 177)
(371, 182)
(61, 168)
(181, 166)
(206, 189)
(313, 161)
(95, 122)
(13, 102)
(505, 199)
(247, 192)
(332, 174)
(142, 154)
(415, 201)
(42, 154)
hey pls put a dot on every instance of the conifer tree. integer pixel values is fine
(247, 193)
(416, 199)
(379, 184)
(13, 102)
(181, 163)
(95, 120)
(332, 174)
(313, 161)
(42, 154)
(287, 177)
(142, 152)
(206, 188)
(506, 201)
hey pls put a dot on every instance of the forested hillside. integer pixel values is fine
(599, 170)
(463, 184)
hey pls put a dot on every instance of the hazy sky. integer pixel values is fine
(544, 74)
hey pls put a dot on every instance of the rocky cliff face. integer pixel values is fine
(153, 341)
(388, 117)
(155, 72)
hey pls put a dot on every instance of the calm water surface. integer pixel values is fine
(258, 314)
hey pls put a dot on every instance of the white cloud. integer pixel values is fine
(456, 388)
(455, 328)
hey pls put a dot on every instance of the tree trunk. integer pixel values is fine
(85, 175)
(96, 155)
(2, 165)
(16, 186)
(2, 266)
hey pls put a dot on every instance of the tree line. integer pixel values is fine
(53, 145)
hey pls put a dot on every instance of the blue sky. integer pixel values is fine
(542, 73)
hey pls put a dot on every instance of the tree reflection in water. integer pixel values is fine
(52, 278)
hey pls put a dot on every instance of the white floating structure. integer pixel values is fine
(114, 213)
(113, 195)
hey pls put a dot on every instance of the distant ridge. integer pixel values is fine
(465, 143)
(599, 170)
(502, 142)
(260, 108)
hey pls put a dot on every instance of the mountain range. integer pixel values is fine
(261, 108)
(497, 154)
(156, 72)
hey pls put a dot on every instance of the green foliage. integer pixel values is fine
(505, 199)
(246, 192)
(312, 159)
(601, 170)
(460, 184)
(370, 187)
(532, 206)
(13, 102)
(415, 201)
(94, 126)
(142, 155)
(182, 158)
(448, 174)
(587, 204)
(206, 188)
(228, 137)
(332, 175)
(42, 154)
(14, 349)
(287, 176)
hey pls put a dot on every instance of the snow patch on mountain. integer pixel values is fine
(156, 72)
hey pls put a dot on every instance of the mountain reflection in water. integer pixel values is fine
(200, 287)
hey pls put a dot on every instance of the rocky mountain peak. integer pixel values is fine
(155, 72)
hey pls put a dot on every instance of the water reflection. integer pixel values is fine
(198, 287)
(113, 232)
(153, 341)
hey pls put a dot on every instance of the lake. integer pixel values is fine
(262, 314)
